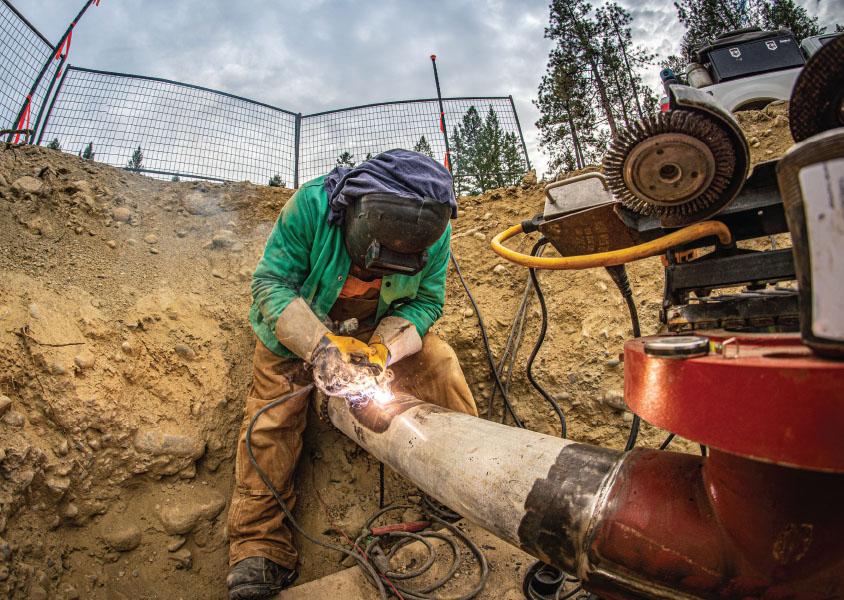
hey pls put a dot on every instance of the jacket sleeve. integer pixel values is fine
(424, 310)
(285, 265)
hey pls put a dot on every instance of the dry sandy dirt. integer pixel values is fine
(125, 357)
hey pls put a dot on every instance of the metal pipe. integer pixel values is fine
(535, 491)
(643, 524)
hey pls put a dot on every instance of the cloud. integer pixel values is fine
(322, 54)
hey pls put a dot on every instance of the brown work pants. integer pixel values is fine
(256, 525)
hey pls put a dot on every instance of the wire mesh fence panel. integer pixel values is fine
(23, 53)
(349, 136)
(181, 130)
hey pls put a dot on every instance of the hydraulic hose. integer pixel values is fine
(619, 276)
(614, 257)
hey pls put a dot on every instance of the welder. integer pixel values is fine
(371, 244)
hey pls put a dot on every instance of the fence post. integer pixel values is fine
(59, 70)
(296, 139)
(52, 105)
(519, 127)
(53, 55)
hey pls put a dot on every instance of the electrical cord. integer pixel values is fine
(667, 441)
(514, 341)
(488, 350)
(539, 341)
(379, 556)
(361, 560)
(619, 276)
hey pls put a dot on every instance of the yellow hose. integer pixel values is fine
(614, 257)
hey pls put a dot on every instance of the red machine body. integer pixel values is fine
(760, 517)
(764, 396)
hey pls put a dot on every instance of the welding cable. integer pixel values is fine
(515, 335)
(488, 350)
(380, 557)
(619, 276)
(614, 257)
(361, 560)
(543, 329)
(667, 441)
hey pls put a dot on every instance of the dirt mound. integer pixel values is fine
(125, 357)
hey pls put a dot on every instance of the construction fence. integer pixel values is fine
(169, 129)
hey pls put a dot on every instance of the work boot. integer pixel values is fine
(256, 577)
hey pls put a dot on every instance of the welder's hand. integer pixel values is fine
(344, 365)
(379, 353)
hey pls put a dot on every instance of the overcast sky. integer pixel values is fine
(312, 55)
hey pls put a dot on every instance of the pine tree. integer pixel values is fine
(88, 152)
(136, 160)
(346, 159)
(512, 164)
(622, 61)
(483, 156)
(423, 147)
(175, 179)
(576, 33)
(568, 122)
(276, 181)
(54, 145)
(785, 14)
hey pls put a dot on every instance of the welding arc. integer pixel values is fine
(362, 561)
(817, 100)
(677, 164)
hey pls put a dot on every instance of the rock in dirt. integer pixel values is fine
(84, 360)
(223, 238)
(121, 214)
(499, 269)
(176, 543)
(28, 184)
(185, 351)
(184, 514)
(151, 238)
(120, 534)
(111, 244)
(5, 403)
(183, 559)
(13, 418)
(614, 398)
(160, 443)
(201, 204)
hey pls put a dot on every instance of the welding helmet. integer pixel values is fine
(386, 234)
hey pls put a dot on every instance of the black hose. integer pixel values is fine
(667, 441)
(362, 562)
(619, 276)
(379, 556)
(542, 331)
(511, 348)
(488, 350)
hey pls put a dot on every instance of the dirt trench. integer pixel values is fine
(125, 357)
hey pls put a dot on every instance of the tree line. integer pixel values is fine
(592, 86)
(482, 155)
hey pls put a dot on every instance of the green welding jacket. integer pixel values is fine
(305, 256)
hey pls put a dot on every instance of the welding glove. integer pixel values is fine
(342, 365)
(394, 339)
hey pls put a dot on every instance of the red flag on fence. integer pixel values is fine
(24, 121)
(446, 162)
(65, 47)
